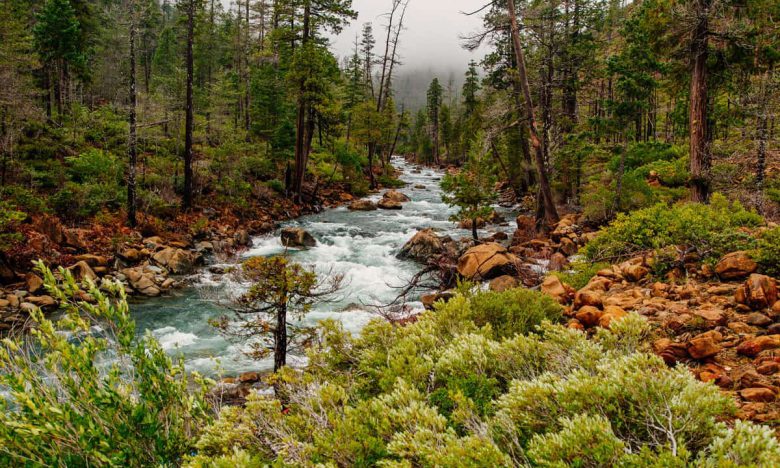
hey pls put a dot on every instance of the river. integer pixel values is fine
(361, 245)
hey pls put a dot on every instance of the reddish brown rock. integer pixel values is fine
(758, 292)
(554, 287)
(759, 394)
(504, 283)
(589, 316)
(395, 196)
(635, 272)
(735, 265)
(704, 346)
(33, 283)
(611, 314)
(487, 261)
(756, 345)
(558, 262)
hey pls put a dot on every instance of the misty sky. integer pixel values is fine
(431, 39)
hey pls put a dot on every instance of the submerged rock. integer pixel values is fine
(362, 205)
(387, 204)
(424, 245)
(297, 237)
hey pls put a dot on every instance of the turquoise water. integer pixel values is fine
(361, 245)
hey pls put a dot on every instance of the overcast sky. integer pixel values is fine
(431, 39)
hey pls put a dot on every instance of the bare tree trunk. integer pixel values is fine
(547, 213)
(189, 117)
(303, 106)
(701, 158)
(280, 339)
(132, 149)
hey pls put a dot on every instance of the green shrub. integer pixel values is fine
(673, 173)
(643, 154)
(447, 390)
(582, 441)
(9, 220)
(744, 445)
(23, 199)
(95, 167)
(512, 312)
(64, 405)
(276, 185)
(709, 230)
(80, 201)
(768, 252)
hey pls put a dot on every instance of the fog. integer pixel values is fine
(431, 39)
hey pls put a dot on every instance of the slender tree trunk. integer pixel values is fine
(300, 126)
(701, 158)
(280, 339)
(132, 149)
(474, 232)
(547, 213)
(189, 116)
(247, 117)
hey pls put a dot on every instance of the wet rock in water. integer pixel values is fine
(177, 261)
(241, 238)
(362, 205)
(467, 223)
(424, 245)
(387, 204)
(82, 271)
(487, 261)
(504, 283)
(735, 265)
(555, 288)
(420, 187)
(297, 237)
(142, 281)
(558, 262)
(396, 196)
(758, 292)
(204, 246)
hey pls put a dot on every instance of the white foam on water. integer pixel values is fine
(171, 338)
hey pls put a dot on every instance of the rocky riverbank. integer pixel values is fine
(722, 322)
(150, 260)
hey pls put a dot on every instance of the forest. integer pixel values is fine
(226, 242)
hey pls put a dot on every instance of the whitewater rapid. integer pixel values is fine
(360, 245)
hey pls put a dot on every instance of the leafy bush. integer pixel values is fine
(512, 312)
(80, 201)
(709, 230)
(448, 390)
(768, 252)
(9, 219)
(643, 154)
(64, 404)
(23, 199)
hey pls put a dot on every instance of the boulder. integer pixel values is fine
(78, 238)
(82, 271)
(611, 314)
(241, 238)
(33, 283)
(568, 247)
(589, 316)
(504, 283)
(131, 255)
(758, 394)
(387, 204)
(428, 300)
(297, 237)
(754, 346)
(588, 297)
(44, 302)
(487, 261)
(558, 262)
(555, 288)
(735, 265)
(467, 223)
(704, 345)
(362, 205)
(142, 281)
(396, 196)
(635, 273)
(424, 245)
(758, 292)
(758, 319)
(50, 227)
(526, 230)
(92, 260)
(177, 261)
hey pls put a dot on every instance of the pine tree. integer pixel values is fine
(435, 95)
